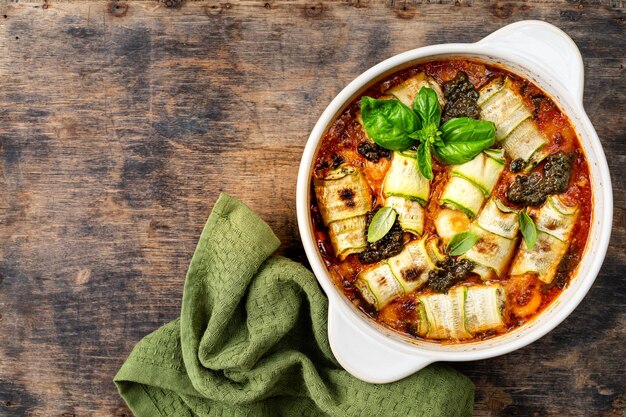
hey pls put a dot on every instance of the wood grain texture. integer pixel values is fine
(120, 122)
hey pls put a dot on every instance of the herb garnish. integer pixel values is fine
(461, 243)
(381, 224)
(393, 125)
(529, 230)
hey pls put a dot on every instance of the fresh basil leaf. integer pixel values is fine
(381, 224)
(389, 122)
(461, 243)
(464, 138)
(529, 230)
(424, 160)
(426, 105)
(418, 135)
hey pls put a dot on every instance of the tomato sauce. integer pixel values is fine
(527, 296)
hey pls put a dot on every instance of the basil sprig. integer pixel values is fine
(395, 126)
(529, 229)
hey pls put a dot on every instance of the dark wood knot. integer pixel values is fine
(172, 4)
(313, 10)
(117, 9)
(216, 9)
(501, 10)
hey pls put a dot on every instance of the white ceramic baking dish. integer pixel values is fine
(541, 53)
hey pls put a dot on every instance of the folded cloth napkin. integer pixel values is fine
(252, 341)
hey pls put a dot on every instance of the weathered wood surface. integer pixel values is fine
(121, 122)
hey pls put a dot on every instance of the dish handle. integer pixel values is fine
(545, 46)
(365, 356)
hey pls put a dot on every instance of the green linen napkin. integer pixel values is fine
(252, 341)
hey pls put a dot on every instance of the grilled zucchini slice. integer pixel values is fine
(378, 285)
(348, 236)
(501, 104)
(555, 218)
(499, 219)
(403, 179)
(410, 214)
(484, 305)
(490, 251)
(482, 171)
(525, 142)
(412, 265)
(343, 194)
(445, 314)
(505, 108)
(432, 247)
(408, 89)
(488, 91)
(462, 195)
(543, 259)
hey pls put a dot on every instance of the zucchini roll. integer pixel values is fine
(348, 236)
(343, 194)
(555, 222)
(406, 190)
(515, 129)
(555, 218)
(378, 286)
(408, 89)
(412, 265)
(484, 305)
(445, 314)
(344, 198)
(410, 214)
(472, 182)
(526, 143)
(496, 227)
(462, 312)
(403, 179)
(398, 275)
(483, 171)
(462, 195)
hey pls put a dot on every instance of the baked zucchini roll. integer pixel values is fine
(462, 312)
(555, 222)
(398, 275)
(344, 198)
(403, 179)
(342, 194)
(445, 314)
(472, 182)
(515, 129)
(412, 265)
(496, 227)
(484, 305)
(378, 286)
(408, 89)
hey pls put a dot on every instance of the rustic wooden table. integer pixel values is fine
(120, 122)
